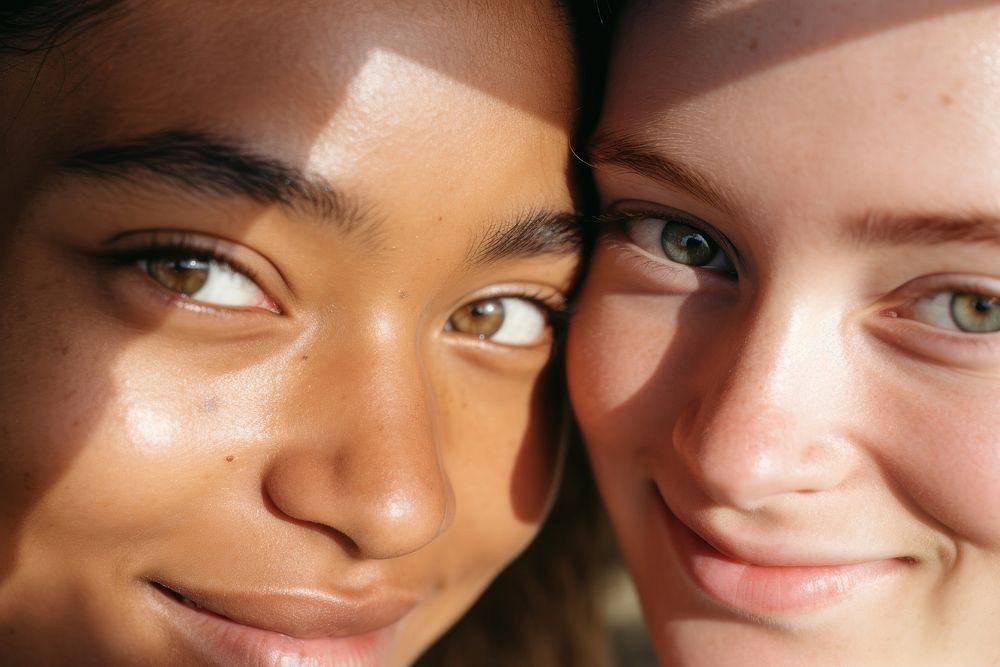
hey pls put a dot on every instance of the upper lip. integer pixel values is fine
(300, 613)
(783, 550)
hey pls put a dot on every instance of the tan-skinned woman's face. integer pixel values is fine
(275, 292)
(786, 359)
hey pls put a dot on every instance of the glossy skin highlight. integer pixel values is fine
(300, 453)
(792, 413)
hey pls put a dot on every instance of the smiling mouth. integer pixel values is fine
(774, 589)
(298, 629)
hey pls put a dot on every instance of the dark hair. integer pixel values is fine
(34, 26)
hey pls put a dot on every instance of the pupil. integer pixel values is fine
(487, 309)
(693, 241)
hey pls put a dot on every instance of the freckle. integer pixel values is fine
(69, 394)
(440, 218)
(902, 96)
(64, 350)
(304, 357)
(230, 458)
(797, 22)
(403, 294)
(947, 100)
(754, 44)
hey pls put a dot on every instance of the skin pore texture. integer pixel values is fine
(277, 281)
(786, 358)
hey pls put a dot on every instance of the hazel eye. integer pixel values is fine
(960, 311)
(505, 320)
(210, 281)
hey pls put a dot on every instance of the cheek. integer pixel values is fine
(501, 451)
(629, 362)
(944, 449)
(55, 386)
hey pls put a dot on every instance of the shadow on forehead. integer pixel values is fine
(769, 33)
(509, 50)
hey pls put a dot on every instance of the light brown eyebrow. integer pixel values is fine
(893, 229)
(646, 159)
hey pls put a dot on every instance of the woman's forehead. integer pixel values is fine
(300, 59)
(814, 127)
(681, 51)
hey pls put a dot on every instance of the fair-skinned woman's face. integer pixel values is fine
(786, 361)
(276, 292)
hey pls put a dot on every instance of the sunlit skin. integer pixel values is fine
(279, 403)
(786, 357)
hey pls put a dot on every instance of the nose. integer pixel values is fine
(365, 462)
(771, 414)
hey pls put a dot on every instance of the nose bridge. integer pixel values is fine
(373, 470)
(764, 423)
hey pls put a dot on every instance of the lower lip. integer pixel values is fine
(216, 640)
(774, 590)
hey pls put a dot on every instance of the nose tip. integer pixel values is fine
(746, 457)
(402, 515)
(379, 507)
(366, 464)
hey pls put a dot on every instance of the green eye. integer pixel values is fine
(686, 245)
(975, 313)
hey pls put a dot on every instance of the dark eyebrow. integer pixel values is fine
(530, 234)
(204, 162)
(883, 229)
(645, 159)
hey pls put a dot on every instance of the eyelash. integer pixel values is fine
(619, 219)
(179, 243)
